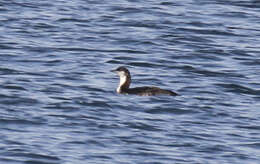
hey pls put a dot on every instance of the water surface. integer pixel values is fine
(58, 103)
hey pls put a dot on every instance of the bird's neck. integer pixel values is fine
(124, 84)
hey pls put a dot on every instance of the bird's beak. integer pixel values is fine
(113, 70)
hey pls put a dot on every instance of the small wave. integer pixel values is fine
(17, 121)
(8, 71)
(236, 88)
(14, 87)
(175, 110)
(18, 100)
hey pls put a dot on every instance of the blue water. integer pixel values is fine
(58, 103)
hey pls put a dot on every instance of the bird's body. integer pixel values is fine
(125, 81)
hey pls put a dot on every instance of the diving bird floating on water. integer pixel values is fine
(125, 81)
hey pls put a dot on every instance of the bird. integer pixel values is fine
(125, 81)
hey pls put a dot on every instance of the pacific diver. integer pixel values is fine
(124, 84)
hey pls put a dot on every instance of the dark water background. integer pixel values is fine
(58, 103)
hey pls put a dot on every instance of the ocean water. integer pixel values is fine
(58, 103)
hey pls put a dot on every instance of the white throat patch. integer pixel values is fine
(122, 76)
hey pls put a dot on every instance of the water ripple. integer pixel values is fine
(58, 102)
